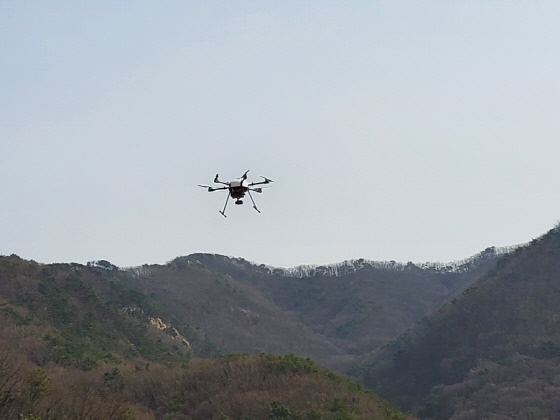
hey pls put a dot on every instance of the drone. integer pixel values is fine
(237, 190)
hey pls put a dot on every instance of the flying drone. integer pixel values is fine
(237, 190)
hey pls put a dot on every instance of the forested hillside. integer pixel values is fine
(356, 306)
(494, 352)
(208, 305)
(85, 315)
(236, 387)
(77, 343)
(99, 342)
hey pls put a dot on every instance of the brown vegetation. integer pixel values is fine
(233, 387)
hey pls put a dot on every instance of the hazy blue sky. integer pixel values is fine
(394, 130)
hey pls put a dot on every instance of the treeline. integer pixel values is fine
(339, 269)
(236, 387)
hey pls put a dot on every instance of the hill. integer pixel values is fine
(349, 309)
(494, 352)
(77, 343)
(103, 341)
(209, 305)
(236, 387)
(78, 316)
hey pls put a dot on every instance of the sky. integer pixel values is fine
(393, 130)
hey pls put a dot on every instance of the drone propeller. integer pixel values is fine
(210, 189)
(259, 189)
(266, 181)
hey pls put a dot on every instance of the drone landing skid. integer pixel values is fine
(254, 205)
(238, 202)
(223, 212)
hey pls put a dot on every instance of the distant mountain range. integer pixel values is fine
(432, 338)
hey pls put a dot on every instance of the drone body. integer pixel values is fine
(237, 190)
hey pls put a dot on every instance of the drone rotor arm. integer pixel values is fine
(266, 181)
(212, 189)
(217, 181)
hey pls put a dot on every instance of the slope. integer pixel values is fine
(356, 306)
(234, 315)
(77, 343)
(80, 316)
(237, 387)
(494, 351)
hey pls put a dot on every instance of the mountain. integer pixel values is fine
(493, 352)
(83, 315)
(77, 343)
(97, 341)
(208, 305)
(349, 309)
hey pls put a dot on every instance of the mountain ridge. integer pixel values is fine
(341, 268)
(336, 314)
(363, 296)
(101, 317)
